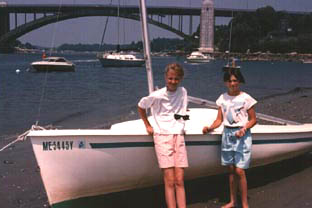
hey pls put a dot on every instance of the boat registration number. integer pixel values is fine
(57, 145)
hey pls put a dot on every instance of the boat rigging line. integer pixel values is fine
(46, 73)
(230, 40)
(105, 27)
(210, 104)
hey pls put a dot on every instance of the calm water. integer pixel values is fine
(96, 96)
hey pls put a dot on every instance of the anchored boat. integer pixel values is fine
(198, 57)
(120, 60)
(58, 64)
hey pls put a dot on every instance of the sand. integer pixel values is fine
(286, 184)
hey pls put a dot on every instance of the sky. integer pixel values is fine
(89, 30)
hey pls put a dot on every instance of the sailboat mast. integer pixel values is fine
(231, 25)
(118, 25)
(146, 46)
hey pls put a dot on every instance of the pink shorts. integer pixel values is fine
(170, 150)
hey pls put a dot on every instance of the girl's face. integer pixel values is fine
(233, 86)
(172, 80)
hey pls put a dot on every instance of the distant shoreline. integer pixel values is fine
(260, 56)
(255, 56)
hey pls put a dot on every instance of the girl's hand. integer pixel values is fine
(241, 132)
(150, 130)
(206, 129)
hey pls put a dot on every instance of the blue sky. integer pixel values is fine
(89, 29)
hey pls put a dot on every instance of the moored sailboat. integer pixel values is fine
(198, 57)
(231, 64)
(119, 59)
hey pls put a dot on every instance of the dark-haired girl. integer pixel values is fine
(236, 113)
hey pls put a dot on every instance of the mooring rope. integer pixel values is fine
(23, 136)
(43, 90)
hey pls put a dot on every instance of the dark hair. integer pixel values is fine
(175, 67)
(235, 72)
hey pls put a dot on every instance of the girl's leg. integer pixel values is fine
(233, 188)
(243, 186)
(179, 187)
(169, 181)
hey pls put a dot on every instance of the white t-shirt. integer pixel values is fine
(234, 108)
(164, 104)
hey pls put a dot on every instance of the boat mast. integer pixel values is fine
(104, 32)
(146, 46)
(118, 44)
(231, 25)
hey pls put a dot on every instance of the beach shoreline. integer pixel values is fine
(283, 184)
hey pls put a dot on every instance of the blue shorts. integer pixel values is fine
(236, 151)
(238, 159)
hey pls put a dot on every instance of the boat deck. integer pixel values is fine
(199, 117)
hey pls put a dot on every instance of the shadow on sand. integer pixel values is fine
(198, 191)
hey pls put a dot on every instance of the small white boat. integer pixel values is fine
(198, 57)
(120, 60)
(79, 163)
(306, 61)
(231, 64)
(58, 64)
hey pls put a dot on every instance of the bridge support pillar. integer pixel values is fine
(191, 25)
(4, 27)
(206, 43)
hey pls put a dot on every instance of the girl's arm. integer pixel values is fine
(252, 120)
(215, 124)
(149, 128)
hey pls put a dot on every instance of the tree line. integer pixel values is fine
(266, 30)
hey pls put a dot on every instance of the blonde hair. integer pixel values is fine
(175, 67)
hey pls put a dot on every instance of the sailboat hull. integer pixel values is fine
(198, 60)
(121, 63)
(81, 163)
(119, 60)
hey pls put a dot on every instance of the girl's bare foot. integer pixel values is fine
(229, 205)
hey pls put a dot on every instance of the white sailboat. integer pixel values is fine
(118, 58)
(77, 163)
(81, 163)
(198, 57)
(231, 64)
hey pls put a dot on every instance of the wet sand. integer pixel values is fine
(284, 184)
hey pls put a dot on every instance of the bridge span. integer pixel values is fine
(36, 16)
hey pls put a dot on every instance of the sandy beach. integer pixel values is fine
(286, 184)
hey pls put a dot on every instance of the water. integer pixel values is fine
(94, 96)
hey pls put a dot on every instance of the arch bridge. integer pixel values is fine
(45, 14)
(36, 16)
